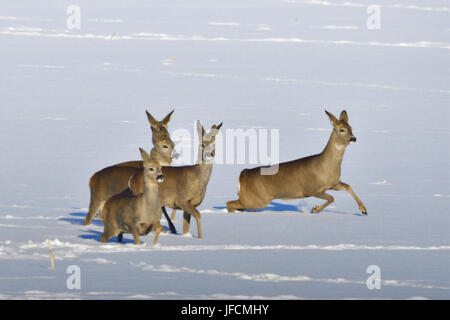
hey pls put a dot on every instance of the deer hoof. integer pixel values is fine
(315, 209)
(363, 210)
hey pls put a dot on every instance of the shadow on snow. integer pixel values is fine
(282, 207)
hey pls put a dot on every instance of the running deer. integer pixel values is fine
(114, 179)
(138, 215)
(306, 177)
(184, 187)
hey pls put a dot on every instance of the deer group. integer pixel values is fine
(132, 195)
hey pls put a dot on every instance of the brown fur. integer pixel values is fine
(184, 187)
(114, 179)
(306, 177)
(138, 215)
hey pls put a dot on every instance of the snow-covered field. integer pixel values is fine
(73, 102)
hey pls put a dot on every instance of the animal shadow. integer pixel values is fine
(78, 219)
(96, 235)
(330, 211)
(283, 207)
(273, 206)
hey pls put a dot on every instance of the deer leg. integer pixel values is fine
(108, 233)
(199, 226)
(158, 230)
(172, 217)
(99, 208)
(169, 221)
(322, 195)
(189, 210)
(186, 222)
(233, 205)
(245, 204)
(135, 232)
(198, 220)
(343, 186)
(120, 237)
(94, 206)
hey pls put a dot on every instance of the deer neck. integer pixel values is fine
(151, 195)
(162, 158)
(333, 153)
(204, 168)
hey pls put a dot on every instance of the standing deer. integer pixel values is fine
(306, 177)
(138, 215)
(184, 187)
(114, 179)
(164, 148)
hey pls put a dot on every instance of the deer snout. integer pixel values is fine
(208, 156)
(174, 155)
(160, 178)
(353, 139)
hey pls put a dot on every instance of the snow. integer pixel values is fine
(73, 102)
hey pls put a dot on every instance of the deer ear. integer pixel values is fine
(343, 116)
(166, 119)
(153, 155)
(153, 122)
(214, 130)
(200, 129)
(333, 119)
(218, 127)
(144, 154)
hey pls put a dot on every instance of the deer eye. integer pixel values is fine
(151, 169)
(165, 147)
(341, 130)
